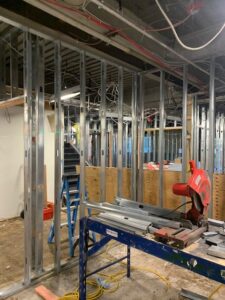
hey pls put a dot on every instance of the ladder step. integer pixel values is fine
(65, 224)
(69, 159)
(73, 173)
(72, 180)
(69, 166)
(71, 207)
(71, 192)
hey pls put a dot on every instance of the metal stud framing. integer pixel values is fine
(161, 142)
(141, 138)
(58, 156)
(3, 71)
(103, 132)
(134, 139)
(120, 134)
(195, 128)
(27, 156)
(39, 110)
(211, 128)
(184, 129)
(83, 132)
(13, 64)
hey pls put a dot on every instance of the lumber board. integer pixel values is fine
(12, 102)
(166, 128)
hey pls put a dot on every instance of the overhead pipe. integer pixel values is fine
(49, 9)
(150, 36)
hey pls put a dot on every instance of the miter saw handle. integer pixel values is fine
(192, 166)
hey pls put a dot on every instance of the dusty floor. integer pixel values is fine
(12, 249)
(143, 284)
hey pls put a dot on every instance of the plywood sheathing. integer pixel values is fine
(150, 185)
(219, 196)
(151, 188)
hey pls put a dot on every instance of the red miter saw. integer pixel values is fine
(198, 188)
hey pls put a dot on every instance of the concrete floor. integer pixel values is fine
(141, 285)
(12, 249)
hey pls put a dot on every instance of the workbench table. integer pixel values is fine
(193, 258)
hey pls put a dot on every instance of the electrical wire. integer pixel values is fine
(109, 283)
(152, 29)
(172, 211)
(98, 22)
(177, 37)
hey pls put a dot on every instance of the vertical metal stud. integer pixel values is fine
(3, 71)
(39, 110)
(141, 138)
(13, 64)
(197, 135)
(211, 129)
(203, 138)
(126, 140)
(58, 155)
(82, 131)
(120, 135)
(134, 139)
(195, 128)
(88, 148)
(154, 138)
(184, 129)
(103, 132)
(27, 156)
(161, 143)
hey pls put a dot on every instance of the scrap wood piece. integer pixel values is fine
(45, 293)
(12, 102)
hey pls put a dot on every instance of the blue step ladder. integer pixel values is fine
(69, 193)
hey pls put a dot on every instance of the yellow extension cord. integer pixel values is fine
(97, 290)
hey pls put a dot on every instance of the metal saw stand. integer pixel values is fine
(178, 257)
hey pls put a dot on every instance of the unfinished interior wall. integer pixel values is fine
(150, 189)
(12, 161)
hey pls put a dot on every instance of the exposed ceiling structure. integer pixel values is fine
(133, 32)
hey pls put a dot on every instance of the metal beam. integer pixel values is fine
(82, 131)
(13, 64)
(120, 135)
(39, 110)
(103, 132)
(58, 156)
(184, 128)
(3, 71)
(23, 23)
(27, 157)
(141, 138)
(134, 139)
(211, 129)
(161, 142)
(145, 33)
(195, 128)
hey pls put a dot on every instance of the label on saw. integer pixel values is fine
(198, 179)
(112, 233)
